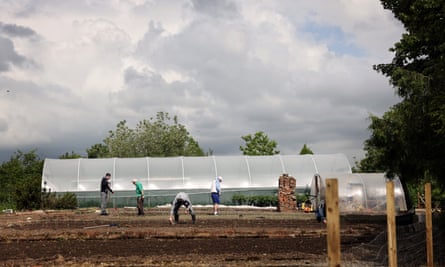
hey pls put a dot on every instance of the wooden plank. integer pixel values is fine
(429, 226)
(333, 222)
(391, 221)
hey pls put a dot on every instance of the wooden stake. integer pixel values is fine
(333, 222)
(429, 226)
(391, 221)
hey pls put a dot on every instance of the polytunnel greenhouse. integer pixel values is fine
(162, 178)
(359, 193)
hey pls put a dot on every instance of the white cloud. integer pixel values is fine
(301, 71)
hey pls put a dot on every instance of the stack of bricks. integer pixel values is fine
(287, 200)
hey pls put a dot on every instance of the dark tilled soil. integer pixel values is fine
(237, 237)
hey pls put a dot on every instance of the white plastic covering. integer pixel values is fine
(360, 192)
(80, 175)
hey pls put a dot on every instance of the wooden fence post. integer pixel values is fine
(333, 222)
(429, 226)
(391, 221)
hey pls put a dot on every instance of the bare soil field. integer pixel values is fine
(236, 237)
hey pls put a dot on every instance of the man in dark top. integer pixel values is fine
(181, 199)
(104, 189)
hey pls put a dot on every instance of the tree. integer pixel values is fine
(20, 181)
(157, 137)
(306, 150)
(258, 144)
(409, 140)
(192, 148)
(70, 156)
(98, 151)
(122, 141)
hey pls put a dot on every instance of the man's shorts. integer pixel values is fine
(215, 198)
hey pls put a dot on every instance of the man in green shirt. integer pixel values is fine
(139, 196)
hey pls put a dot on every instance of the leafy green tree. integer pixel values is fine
(122, 141)
(259, 144)
(306, 150)
(409, 140)
(192, 148)
(20, 181)
(70, 156)
(98, 151)
(162, 136)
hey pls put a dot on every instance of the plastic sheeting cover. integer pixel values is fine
(78, 175)
(360, 192)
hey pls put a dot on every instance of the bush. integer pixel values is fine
(258, 201)
(263, 201)
(48, 200)
(239, 199)
(65, 201)
(27, 194)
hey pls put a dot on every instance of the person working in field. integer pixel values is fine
(139, 196)
(105, 188)
(181, 199)
(320, 213)
(215, 191)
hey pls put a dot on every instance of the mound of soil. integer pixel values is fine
(237, 237)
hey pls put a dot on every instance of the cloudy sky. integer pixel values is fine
(300, 71)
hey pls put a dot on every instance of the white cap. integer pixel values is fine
(220, 178)
(134, 181)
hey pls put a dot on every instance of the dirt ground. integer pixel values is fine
(236, 237)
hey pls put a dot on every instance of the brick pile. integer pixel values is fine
(287, 201)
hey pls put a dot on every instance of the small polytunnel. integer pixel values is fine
(360, 193)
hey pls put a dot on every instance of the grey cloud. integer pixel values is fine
(50, 118)
(14, 30)
(215, 9)
(199, 53)
(8, 55)
(196, 46)
(51, 8)
(148, 91)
